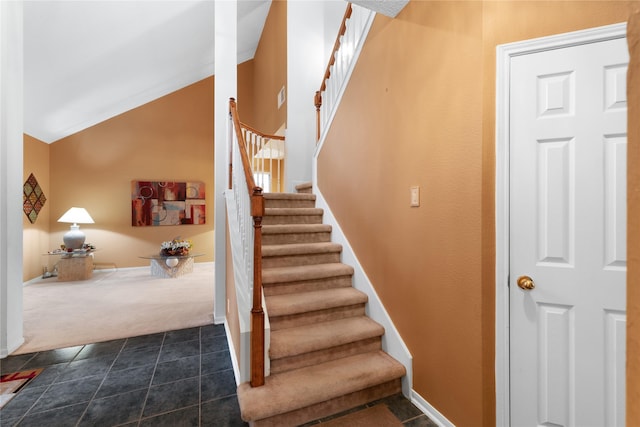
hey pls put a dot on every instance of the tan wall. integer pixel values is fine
(633, 231)
(260, 79)
(245, 92)
(269, 73)
(169, 139)
(35, 240)
(429, 109)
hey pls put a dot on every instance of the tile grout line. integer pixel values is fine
(101, 382)
(48, 387)
(153, 374)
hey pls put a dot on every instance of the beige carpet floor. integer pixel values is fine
(114, 304)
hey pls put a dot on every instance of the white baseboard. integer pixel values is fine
(232, 352)
(431, 412)
(4, 352)
(39, 279)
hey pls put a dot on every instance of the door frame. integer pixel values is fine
(504, 54)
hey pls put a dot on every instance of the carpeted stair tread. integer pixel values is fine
(293, 211)
(300, 249)
(319, 336)
(288, 304)
(289, 196)
(325, 352)
(301, 215)
(295, 228)
(305, 272)
(289, 200)
(301, 388)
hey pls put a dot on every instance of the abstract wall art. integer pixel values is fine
(167, 203)
(33, 198)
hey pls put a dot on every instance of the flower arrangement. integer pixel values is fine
(177, 246)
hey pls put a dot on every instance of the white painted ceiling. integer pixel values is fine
(389, 8)
(86, 61)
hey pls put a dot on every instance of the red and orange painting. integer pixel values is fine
(167, 203)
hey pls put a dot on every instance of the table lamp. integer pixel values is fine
(74, 238)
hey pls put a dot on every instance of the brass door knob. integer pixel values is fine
(525, 283)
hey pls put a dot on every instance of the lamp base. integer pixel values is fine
(74, 238)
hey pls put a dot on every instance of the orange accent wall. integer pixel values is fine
(245, 101)
(269, 74)
(260, 80)
(35, 241)
(633, 218)
(168, 139)
(423, 98)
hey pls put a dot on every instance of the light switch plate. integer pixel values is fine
(415, 196)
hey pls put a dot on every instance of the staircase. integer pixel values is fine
(326, 354)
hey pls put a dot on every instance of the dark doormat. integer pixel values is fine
(11, 384)
(375, 416)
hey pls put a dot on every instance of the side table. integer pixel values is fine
(171, 266)
(77, 265)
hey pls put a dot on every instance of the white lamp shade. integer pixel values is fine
(76, 216)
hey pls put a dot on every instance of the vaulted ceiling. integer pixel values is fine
(87, 61)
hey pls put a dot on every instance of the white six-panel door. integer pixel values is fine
(567, 207)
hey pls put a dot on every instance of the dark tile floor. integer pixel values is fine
(405, 411)
(175, 378)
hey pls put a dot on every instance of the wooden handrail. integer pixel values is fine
(246, 166)
(336, 46)
(257, 132)
(332, 59)
(257, 212)
(317, 101)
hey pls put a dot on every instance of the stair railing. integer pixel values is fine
(249, 202)
(355, 25)
(267, 154)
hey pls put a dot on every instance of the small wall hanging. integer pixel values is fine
(33, 198)
(167, 203)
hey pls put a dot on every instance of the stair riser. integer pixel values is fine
(289, 203)
(281, 288)
(330, 407)
(297, 260)
(325, 355)
(291, 219)
(304, 188)
(289, 238)
(313, 317)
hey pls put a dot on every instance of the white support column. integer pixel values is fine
(11, 140)
(305, 67)
(226, 82)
